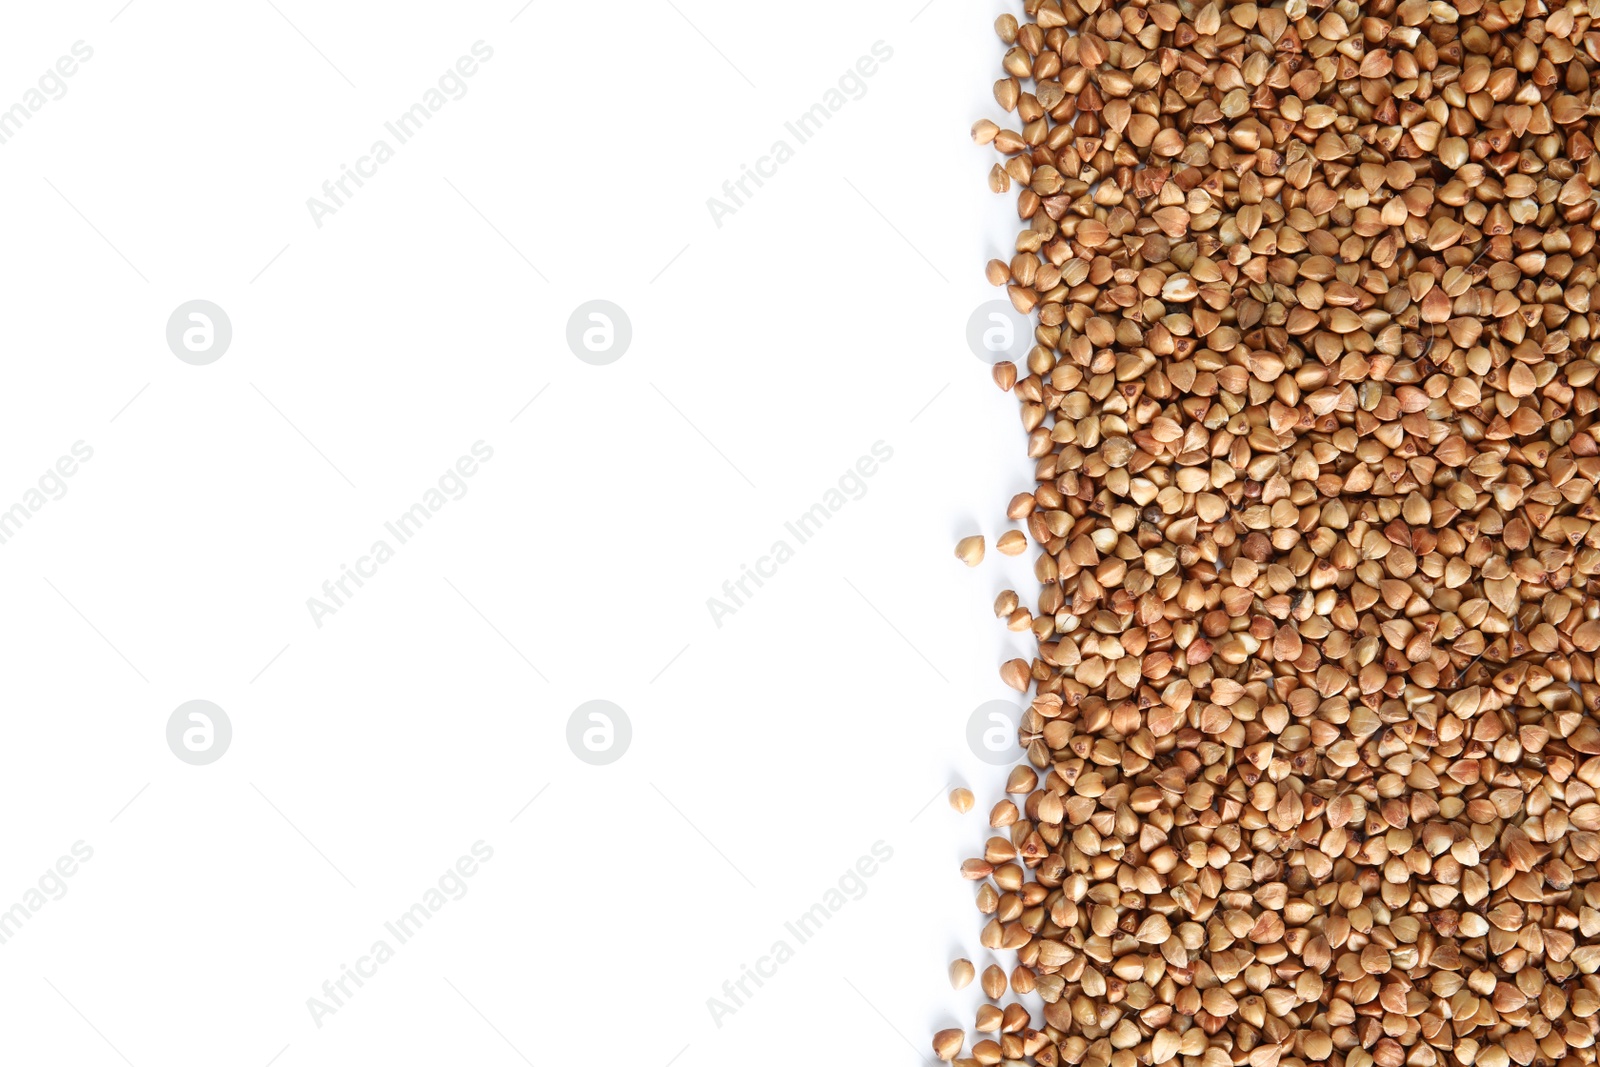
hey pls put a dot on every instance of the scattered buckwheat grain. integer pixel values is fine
(961, 973)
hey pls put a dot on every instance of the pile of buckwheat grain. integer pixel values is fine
(1311, 758)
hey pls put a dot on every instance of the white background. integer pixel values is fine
(768, 354)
